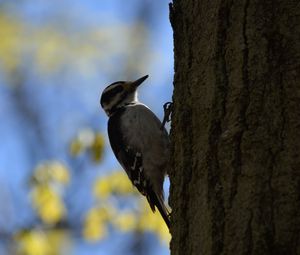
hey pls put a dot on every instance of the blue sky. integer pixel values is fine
(52, 108)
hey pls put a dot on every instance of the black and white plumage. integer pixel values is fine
(138, 141)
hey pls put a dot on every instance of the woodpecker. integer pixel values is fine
(139, 141)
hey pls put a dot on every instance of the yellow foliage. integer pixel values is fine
(35, 242)
(118, 183)
(51, 49)
(115, 183)
(89, 140)
(50, 52)
(48, 204)
(76, 147)
(121, 184)
(82, 141)
(97, 147)
(125, 221)
(95, 224)
(52, 171)
(163, 233)
(102, 188)
(59, 172)
(58, 238)
(153, 222)
(10, 43)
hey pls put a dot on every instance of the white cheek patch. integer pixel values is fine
(135, 96)
(119, 100)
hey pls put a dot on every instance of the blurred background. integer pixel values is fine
(61, 189)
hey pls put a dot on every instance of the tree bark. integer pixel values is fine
(235, 182)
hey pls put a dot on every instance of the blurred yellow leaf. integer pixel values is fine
(47, 242)
(163, 233)
(52, 171)
(125, 221)
(97, 147)
(34, 243)
(86, 136)
(50, 52)
(48, 204)
(50, 48)
(115, 183)
(87, 139)
(94, 225)
(10, 43)
(82, 141)
(76, 147)
(59, 172)
(102, 188)
(153, 222)
(121, 183)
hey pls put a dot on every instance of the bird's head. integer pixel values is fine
(120, 93)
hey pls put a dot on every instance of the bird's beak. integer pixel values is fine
(132, 86)
(139, 81)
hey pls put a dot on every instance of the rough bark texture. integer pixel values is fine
(235, 183)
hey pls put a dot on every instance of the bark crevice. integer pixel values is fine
(244, 103)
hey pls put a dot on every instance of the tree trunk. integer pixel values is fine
(235, 183)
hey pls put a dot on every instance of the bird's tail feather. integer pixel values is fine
(158, 202)
(163, 211)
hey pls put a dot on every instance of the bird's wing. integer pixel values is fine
(136, 138)
(130, 131)
(128, 155)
